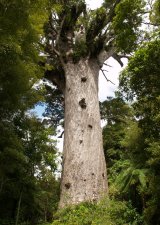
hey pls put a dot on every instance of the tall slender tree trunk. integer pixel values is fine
(2, 183)
(84, 169)
(18, 208)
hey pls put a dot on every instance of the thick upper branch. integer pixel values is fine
(99, 33)
(104, 55)
(56, 76)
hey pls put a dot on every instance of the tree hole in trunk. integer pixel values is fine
(103, 175)
(84, 179)
(90, 126)
(67, 185)
(80, 141)
(82, 103)
(83, 79)
(92, 174)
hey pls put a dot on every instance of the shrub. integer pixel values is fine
(110, 212)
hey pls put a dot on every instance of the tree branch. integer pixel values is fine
(57, 78)
(107, 65)
(118, 59)
(106, 77)
(112, 11)
(60, 30)
(61, 135)
(104, 55)
(124, 56)
(55, 50)
(100, 22)
(152, 24)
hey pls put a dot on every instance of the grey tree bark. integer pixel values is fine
(84, 175)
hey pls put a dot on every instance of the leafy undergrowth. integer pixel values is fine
(108, 212)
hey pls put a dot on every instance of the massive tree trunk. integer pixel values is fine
(84, 169)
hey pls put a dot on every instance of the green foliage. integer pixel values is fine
(31, 155)
(134, 134)
(140, 82)
(141, 79)
(109, 212)
(79, 51)
(115, 110)
(154, 152)
(126, 154)
(117, 114)
(141, 74)
(27, 153)
(19, 54)
(155, 13)
(132, 165)
(126, 24)
(54, 105)
(96, 23)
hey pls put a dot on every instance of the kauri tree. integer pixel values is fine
(78, 41)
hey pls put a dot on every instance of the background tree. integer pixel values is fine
(133, 157)
(25, 145)
(140, 83)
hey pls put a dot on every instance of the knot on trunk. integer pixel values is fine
(82, 103)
